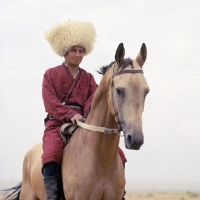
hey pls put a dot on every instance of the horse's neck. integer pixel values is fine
(106, 145)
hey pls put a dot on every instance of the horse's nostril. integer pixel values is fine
(129, 139)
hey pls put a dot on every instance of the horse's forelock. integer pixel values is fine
(127, 62)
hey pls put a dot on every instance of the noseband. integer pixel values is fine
(115, 113)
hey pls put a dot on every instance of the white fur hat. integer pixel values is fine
(64, 36)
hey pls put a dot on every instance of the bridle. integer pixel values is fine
(115, 113)
(133, 71)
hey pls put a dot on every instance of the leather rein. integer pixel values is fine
(98, 128)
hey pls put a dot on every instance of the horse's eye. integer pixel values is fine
(119, 91)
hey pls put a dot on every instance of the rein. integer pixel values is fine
(71, 127)
(98, 128)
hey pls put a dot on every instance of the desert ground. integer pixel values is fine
(159, 196)
(163, 196)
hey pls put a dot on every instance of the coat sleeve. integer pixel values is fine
(122, 155)
(52, 104)
(92, 89)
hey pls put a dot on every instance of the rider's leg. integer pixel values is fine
(52, 180)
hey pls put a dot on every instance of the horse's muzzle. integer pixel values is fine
(134, 141)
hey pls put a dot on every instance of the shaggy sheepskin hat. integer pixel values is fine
(64, 36)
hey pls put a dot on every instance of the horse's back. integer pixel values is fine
(32, 183)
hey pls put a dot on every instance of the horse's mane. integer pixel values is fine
(102, 70)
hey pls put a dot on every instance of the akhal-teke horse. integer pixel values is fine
(91, 167)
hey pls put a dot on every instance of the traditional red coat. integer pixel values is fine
(122, 155)
(59, 91)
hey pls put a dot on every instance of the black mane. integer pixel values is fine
(102, 70)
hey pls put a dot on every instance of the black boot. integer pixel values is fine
(53, 186)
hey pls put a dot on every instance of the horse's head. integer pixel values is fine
(127, 95)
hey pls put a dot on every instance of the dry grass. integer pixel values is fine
(1, 196)
(160, 196)
(163, 196)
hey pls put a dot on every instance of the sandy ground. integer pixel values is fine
(163, 196)
(160, 196)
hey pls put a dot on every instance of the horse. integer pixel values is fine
(91, 166)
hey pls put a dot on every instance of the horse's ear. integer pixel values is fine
(141, 57)
(119, 55)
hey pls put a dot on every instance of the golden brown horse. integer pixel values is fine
(91, 167)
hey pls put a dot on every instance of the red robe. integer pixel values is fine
(56, 84)
(122, 155)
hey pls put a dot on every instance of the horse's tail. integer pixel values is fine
(13, 193)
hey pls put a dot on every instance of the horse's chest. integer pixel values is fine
(93, 186)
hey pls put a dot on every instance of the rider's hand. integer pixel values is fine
(77, 117)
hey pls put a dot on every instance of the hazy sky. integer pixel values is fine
(171, 120)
